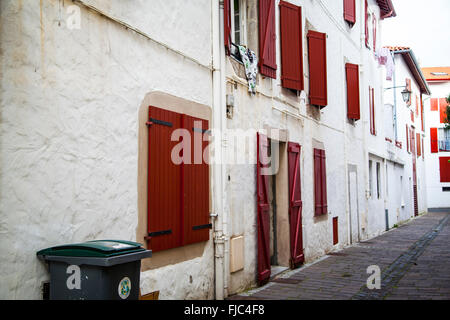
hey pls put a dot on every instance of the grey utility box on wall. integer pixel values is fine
(95, 270)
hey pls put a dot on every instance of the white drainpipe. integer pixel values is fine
(218, 167)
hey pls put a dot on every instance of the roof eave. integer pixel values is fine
(413, 65)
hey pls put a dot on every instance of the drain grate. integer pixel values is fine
(287, 280)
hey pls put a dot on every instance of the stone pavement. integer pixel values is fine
(414, 260)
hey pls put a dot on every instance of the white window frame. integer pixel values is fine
(242, 21)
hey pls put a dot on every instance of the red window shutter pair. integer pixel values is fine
(350, 11)
(267, 39)
(443, 109)
(352, 76)
(291, 46)
(320, 182)
(434, 140)
(178, 194)
(444, 168)
(317, 57)
(373, 130)
(227, 26)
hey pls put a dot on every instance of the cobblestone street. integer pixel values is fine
(414, 260)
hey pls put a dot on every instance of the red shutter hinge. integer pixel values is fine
(148, 123)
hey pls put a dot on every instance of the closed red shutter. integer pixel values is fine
(227, 26)
(372, 111)
(263, 208)
(164, 183)
(196, 183)
(291, 46)
(421, 112)
(419, 150)
(317, 56)
(335, 231)
(412, 116)
(444, 168)
(320, 182)
(350, 11)
(407, 139)
(366, 22)
(434, 140)
(443, 109)
(317, 183)
(295, 205)
(408, 87)
(374, 32)
(352, 75)
(267, 39)
(434, 104)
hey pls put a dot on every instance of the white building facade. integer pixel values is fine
(437, 144)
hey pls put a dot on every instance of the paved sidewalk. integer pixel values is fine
(414, 260)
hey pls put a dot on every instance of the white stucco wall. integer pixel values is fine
(69, 111)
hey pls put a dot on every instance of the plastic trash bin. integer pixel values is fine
(95, 270)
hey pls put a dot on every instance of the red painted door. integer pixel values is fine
(295, 205)
(263, 206)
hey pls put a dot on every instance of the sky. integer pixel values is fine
(422, 25)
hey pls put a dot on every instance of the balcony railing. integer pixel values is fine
(444, 145)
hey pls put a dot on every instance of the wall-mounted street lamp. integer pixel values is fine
(406, 95)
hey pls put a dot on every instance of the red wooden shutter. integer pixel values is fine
(372, 111)
(434, 140)
(164, 183)
(320, 182)
(419, 150)
(295, 205)
(335, 231)
(434, 104)
(317, 56)
(323, 172)
(366, 23)
(352, 75)
(444, 168)
(317, 183)
(267, 38)
(417, 104)
(374, 32)
(263, 218)
(291, 46)
(227, 26)
(443, 109)
(350, 11)
(196, 183)
(421, 112)
(412, 116)
(407, 139)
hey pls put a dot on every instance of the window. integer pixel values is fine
(235, 28)
(320, 182)
(366, 23)
(418, 142)
(373, 130)
(370, 179)
(178, 189)
(291, 46)
(352, 76)
(408, 145)
(378, 181)
(317, 57)
(350, 12)
(444, 139)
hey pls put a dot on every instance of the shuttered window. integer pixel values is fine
(374, 32)
(317, 57)
(352, 77)
(291, 46)
(408, 87)
(366, 22)
(418, 142)
(267, 39)
(350, 11)
(372, 111)
(408, 147)
(178, 189)
(434, 140)
(320, 182)
(444, 168)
